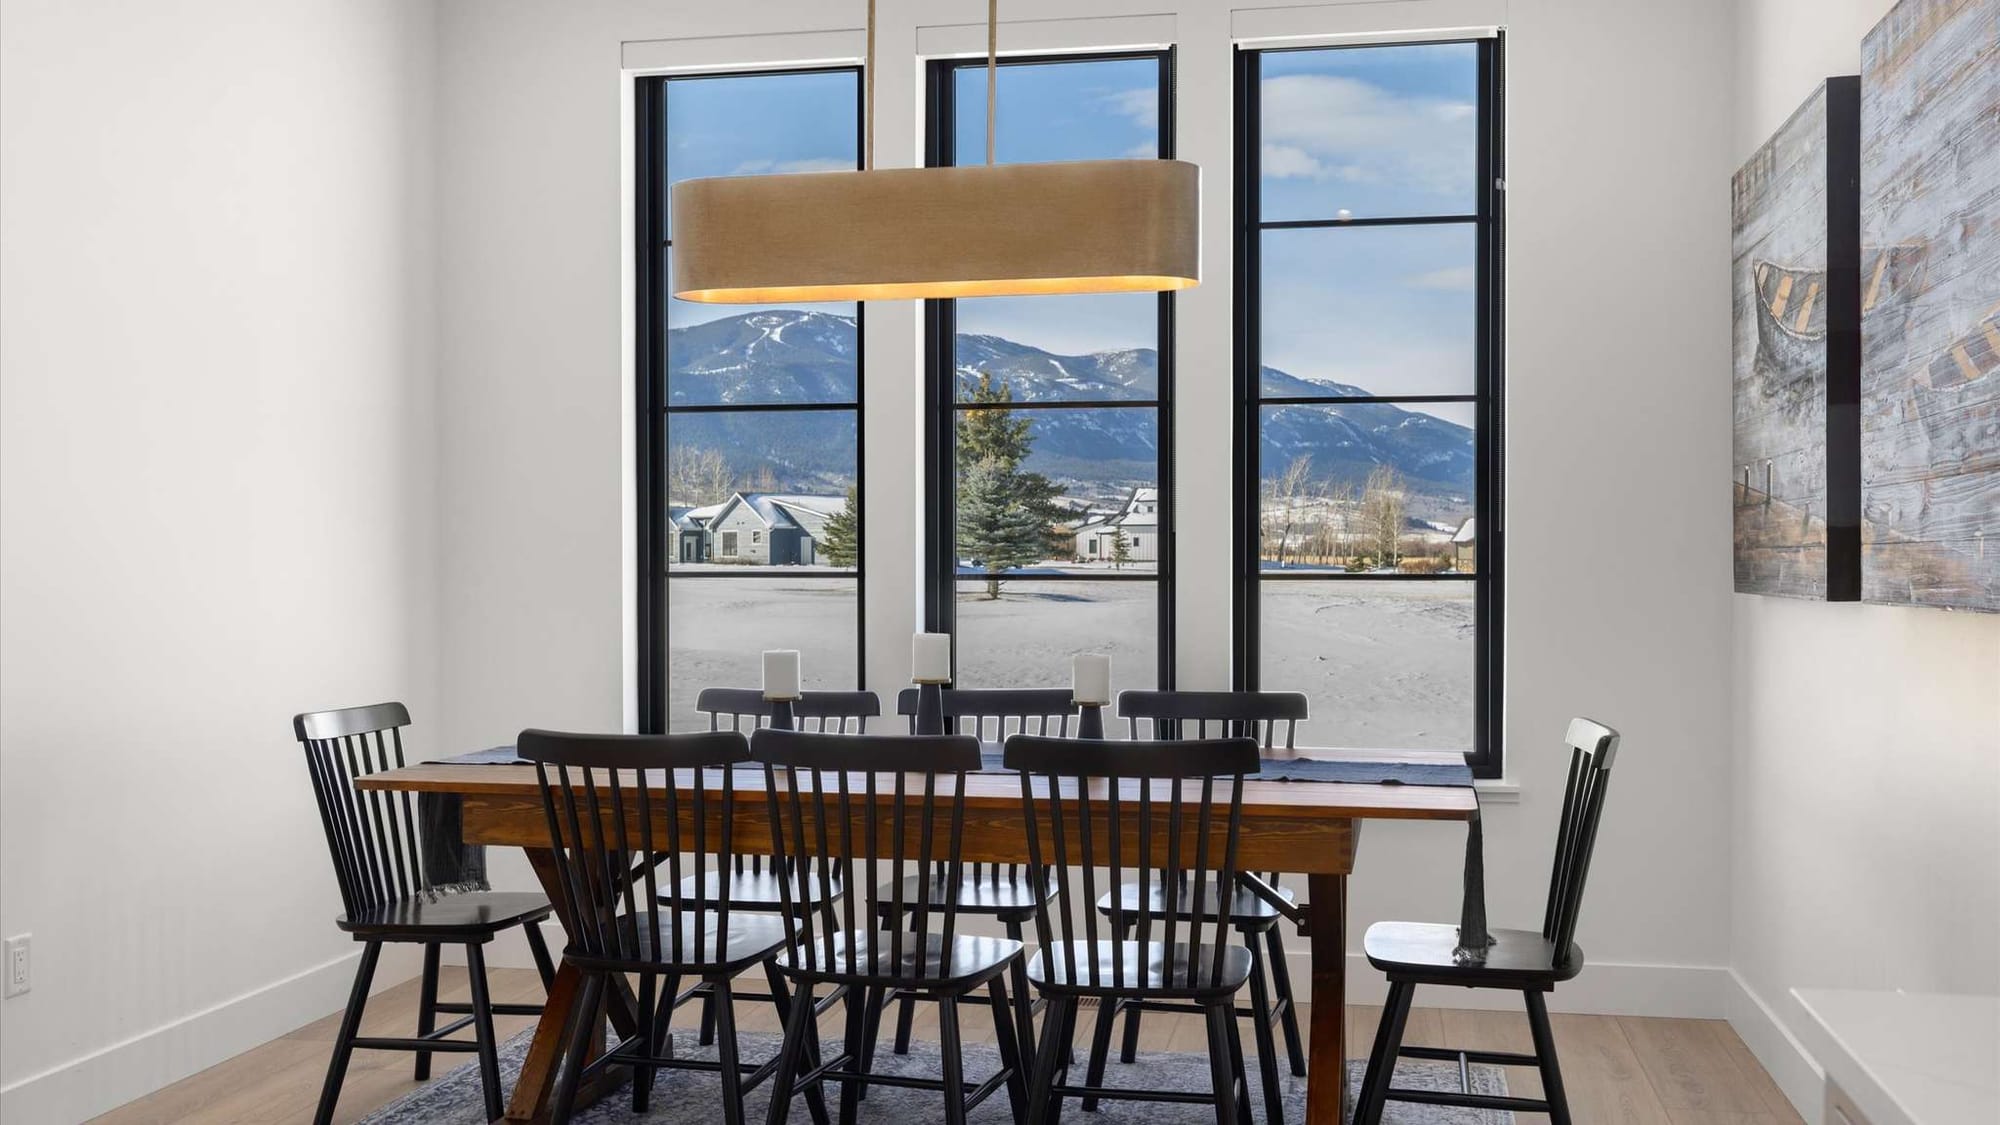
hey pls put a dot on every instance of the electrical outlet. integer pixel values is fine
(17, 964)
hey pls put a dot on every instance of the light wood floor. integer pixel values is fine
(1619, 1070)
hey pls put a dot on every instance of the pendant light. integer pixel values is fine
(1087, 226)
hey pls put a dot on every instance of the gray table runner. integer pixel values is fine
(467, 864)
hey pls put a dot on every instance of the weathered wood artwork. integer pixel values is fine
(1796, 210)
(1930, 382)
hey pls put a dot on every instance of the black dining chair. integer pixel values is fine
(601, 815)
(1009, 893)
(1259, 903)
(388, 895)
(1113, 796)
(748, 883)
(1530, 962)
(842, 807)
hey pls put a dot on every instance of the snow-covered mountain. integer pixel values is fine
(794, 356)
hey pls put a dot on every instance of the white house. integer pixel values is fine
(1138, 521)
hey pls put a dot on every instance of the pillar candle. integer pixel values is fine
(930, 658)
(1090, 678)
(781, 674)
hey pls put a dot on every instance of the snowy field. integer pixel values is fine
(1386, 664)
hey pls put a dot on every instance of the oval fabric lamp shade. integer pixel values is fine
(1087, 226)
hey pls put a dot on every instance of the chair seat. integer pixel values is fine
(1422, 951)
(1144, 970)
(754, 890)
(1246, 908)
(750, 938)
(1000, 892)
(471, 914)
(903, 960)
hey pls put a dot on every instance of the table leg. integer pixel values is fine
(537, 1080)
(1326, 1061)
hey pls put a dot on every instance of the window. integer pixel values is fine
(1050, 419)
(1369, 511)
(749, 417)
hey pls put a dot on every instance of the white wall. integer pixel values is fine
(1866, 838)
(1619, 258)
(216, 506)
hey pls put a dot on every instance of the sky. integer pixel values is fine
(1354, 132)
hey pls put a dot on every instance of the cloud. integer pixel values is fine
(1142, 105)
(1144, 150)
(808, 164)
(1333, 127)
(1453, 278)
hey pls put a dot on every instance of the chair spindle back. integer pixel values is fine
(1259, 715)
(1083, 783)
(991, 714)
(840, 820)
(601, 812)
(824, 711)
(1592, 747)
(373, 837)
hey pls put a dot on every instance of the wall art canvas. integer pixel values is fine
(1930, 377)
(1796, 268)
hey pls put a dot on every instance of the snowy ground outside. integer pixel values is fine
(1386, 664)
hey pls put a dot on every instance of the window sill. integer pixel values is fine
(1497, 791)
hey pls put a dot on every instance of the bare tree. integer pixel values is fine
(1382, 514)
(697, 476)
(1283, 493)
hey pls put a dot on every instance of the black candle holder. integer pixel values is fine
(930, 708)
(781, 715)
(1090, 723)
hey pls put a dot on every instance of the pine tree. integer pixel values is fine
(841, 540)
(1006, 516)
(995, 529)
(1121, 549)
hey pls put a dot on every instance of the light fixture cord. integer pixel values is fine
(868, 76)
(992, 68)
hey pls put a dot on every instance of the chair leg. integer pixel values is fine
(1100, 1047)
(1049, 1056)
(1382, 1060)
(707, 1035)
(482, 1028)
(427, 1000)
(855, 1043)
(1545, 1050)
(1267, 1046)
(876, 1001)
(343, 1043)
(1006, 1036)
(1024, 1000)
(1242, 1076)
(539, 947)
(952, 1054)
(577, 1028)
(1220, 1070)
(781, 996)
(1065, 1057)
(1128, 1051)
(642, 1073)
(1281, 978)
(725, 1053)
(906, 1017)
(798, 1024)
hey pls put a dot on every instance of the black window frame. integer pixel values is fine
(1488, 219)
(941, 406)
(654, 410)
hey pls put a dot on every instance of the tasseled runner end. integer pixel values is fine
(451, 866)
(1473, 939)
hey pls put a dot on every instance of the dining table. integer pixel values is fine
(1309, 828)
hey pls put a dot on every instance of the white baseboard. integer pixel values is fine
(1790, 1065)
(110, 1076)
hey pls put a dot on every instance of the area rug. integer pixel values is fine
(692, 1096)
